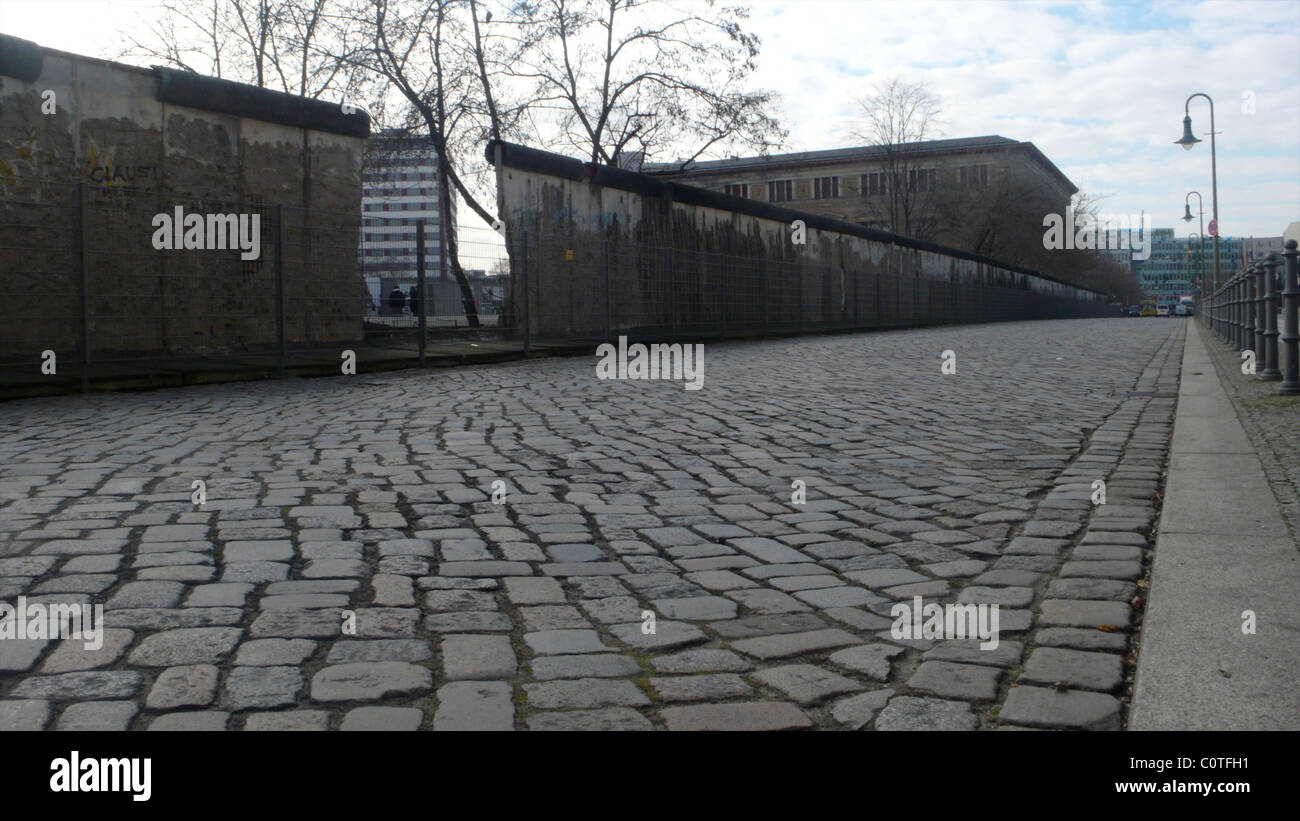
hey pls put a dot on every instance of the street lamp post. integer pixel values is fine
(1187, 141)
(1200, 290)
(1187, 217)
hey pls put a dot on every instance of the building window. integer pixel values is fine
(738, 189)
(875, 184)
(780, 191)
(825, 188)
(925, 179)
(974, 175)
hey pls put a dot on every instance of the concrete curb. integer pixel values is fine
(1223, 548)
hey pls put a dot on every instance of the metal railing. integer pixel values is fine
(1244, 312)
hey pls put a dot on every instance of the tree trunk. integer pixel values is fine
(453, 256)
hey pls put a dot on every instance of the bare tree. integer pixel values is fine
(267, 43)
(895, 117)
(1005, 221)
(606, 77)
(422, 50)
(647, 76)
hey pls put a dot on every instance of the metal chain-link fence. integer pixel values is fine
(120, 287)
(127, 288)
(599, 290)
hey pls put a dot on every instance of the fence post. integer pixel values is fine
(81, 276)
(421, 305)
(1235, 290)
(279, 288)
(1218, 312)
(1242, 294)
(605, 265)
(1248, 307)
(1261, 305)
(528, 319)
(1234, 329)
(1226, 300)
(858, 275)
(1271, 298)
(1215, 318)
(672, 261)
(1291, 324)
(898, 296)
(798, 285)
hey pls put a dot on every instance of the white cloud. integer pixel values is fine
(1099, 87)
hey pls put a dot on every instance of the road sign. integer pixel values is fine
(1214, 228)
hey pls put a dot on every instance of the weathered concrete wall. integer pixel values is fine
(601, 251)
(119, 130)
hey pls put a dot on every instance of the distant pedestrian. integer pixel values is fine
(396, 300)
(415, 300)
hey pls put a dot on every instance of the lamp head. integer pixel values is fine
(1188, 140)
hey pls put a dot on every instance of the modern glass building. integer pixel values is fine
(1177, 265)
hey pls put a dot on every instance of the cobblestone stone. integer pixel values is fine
(1076, 668)
(793, 644)
(190, 686)
(621, 719)
(856, 711)
(478, 658)
(754, 715)
(474, 705)
(369, 680)
(806, 683)
(1052, 709)
(957, 681)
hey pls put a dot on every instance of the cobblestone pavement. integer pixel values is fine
(371, 494)
(1272, 421)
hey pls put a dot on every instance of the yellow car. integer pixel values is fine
(1149, 310)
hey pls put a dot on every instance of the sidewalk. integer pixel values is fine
(1223, 548)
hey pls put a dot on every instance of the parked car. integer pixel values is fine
(1135, 310)
(1162, 310)
(1148, 309)
(1181, 310)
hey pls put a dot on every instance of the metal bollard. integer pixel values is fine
(1230, 328)
(1241, 312)
(1291, 324)
(1234, 329)
(1217, 321)
(1257, 309)
(1271, 300)
(1251, 311)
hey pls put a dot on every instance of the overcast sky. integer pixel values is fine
(1097, 86)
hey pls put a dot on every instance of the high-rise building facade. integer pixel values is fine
(400, 187)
